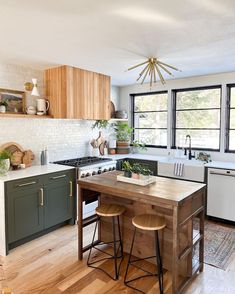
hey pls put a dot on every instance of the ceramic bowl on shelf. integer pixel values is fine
(121, 114)
(31, 110)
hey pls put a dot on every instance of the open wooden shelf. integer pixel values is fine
(22, 115)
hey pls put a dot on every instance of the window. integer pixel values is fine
(197, 113)
(230, 135)
(150, 118)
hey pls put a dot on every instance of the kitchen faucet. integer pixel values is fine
(190, 156)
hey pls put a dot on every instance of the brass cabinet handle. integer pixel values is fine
(41, 197)
(58, 177)
(71, 188)
(26, 184)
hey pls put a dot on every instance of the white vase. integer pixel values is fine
(143, 177)
(4, 166)
(2, 108)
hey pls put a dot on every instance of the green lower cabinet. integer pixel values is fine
(25, 215)
(36, 204)
(58, 201)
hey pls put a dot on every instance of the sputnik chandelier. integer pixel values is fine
(152, 69)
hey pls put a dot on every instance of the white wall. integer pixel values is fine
(218, 79)
(63, 138)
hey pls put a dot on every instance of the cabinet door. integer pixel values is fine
(101, 97)
(59, 199)
(83, 89)
(24, 210)
(77, 93)
(56, 81)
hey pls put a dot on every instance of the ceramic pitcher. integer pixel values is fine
(42, 105)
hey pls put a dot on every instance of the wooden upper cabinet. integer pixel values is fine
(77, 93)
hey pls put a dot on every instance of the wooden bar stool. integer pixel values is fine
(109, 210)
(149, 222)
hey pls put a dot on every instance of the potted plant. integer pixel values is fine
(126, 166)
(137, 145)
(145, 173)
(123, 135)
(4, 162)
(136, 170)
(100, 124)
(3, 106)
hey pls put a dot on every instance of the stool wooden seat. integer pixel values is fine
(149, 222)
(110, 210)
(7, 291)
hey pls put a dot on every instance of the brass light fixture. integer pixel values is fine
(152, 69)
(32, 87)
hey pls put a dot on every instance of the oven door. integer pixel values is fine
(90, 204)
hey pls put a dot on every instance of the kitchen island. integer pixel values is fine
(182, 203)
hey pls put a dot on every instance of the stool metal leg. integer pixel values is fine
(92, 242)
(120, 237)
(159, 263)
(115, 255)
(149, 274)
(114, 248)
(129, 258)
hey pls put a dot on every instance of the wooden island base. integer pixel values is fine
(180, 202)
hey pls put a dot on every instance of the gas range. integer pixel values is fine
(89, 166)
(83, 161)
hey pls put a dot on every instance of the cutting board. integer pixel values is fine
(11, 147)
(18, 154)
(100, 142)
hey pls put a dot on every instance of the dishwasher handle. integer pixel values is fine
(221, 174)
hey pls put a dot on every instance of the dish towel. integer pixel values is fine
(178, 169)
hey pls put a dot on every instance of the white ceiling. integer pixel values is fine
(108, 36)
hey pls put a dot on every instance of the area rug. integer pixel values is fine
(219, 245)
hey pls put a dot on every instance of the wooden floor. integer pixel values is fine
(49, 265)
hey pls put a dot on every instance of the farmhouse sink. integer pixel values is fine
(192, 162)
(192, 170)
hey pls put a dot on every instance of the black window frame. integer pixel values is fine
(173, 128)
(227, 122)
(133, 115)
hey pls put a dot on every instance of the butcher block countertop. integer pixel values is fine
(164, 190)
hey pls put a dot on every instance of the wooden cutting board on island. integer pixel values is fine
(182, 203)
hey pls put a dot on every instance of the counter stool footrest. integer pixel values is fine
(111, 255)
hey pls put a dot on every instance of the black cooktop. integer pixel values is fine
(82, 161)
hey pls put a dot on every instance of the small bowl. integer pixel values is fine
(40, 113)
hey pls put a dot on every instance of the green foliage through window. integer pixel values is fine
(150, 118)
(197, 113)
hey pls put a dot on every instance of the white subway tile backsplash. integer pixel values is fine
(63, 138)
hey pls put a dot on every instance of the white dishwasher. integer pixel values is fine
(221, 193)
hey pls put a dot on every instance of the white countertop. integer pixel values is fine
(221, 164)
(51, 168)
(32, 171)
(160, 158)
